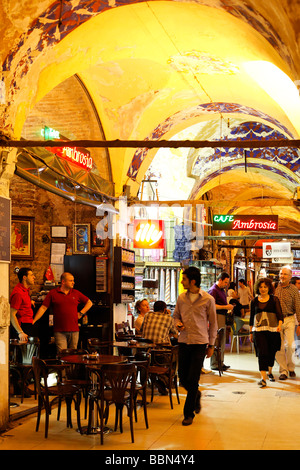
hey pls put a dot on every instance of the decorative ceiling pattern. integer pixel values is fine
(199, 111)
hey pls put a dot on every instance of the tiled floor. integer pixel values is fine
(236, 414)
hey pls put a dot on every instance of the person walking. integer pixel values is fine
(266, 319)
(222, 306)
(64, 301)
(196, 320)
(289, 298)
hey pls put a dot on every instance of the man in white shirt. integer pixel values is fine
(196, 320)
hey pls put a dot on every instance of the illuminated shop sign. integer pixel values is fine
(250, 223)
(148, 234)
(79, 156)
(277, 250)
(49, 134)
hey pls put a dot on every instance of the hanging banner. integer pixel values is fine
(277, 250)
(249, 223)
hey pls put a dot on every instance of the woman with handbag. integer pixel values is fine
(266, 319)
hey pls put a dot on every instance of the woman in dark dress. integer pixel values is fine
(266, 319)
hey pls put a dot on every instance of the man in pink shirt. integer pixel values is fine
(21, 313)
(64, 301)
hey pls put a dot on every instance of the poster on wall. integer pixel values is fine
(22, 237)
(5, 229)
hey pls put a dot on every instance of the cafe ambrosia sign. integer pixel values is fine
(79, 156)
(251, 223)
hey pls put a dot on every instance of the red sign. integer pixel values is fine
(148, 234)
(79, 156)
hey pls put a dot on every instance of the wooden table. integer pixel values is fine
(138, 345)
(84, 359)
(96, 361)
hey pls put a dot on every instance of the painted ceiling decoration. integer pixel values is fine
(61, 18)
(284, 158)
(199, 111)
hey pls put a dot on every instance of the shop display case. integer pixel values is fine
(209, 272)
(124, 275)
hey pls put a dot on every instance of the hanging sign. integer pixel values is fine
(248, 223)
(148, 234)
(79, 156)
(277, 250)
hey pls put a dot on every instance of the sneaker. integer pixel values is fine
(271, 377)
(187, 421)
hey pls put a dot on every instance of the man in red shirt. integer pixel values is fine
(64, 301)
(21, 313)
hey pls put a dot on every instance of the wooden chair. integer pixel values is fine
(123, 332)
(116, 385)
(22, 364)
(164, 362)
(218, 342)
(100, 346)
(57, 392)
(76, 374)
(142, 362)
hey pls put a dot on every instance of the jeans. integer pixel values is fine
(190, 363)
(66, 340)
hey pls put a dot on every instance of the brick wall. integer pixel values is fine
(47, 209)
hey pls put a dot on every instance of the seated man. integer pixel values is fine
(157, 327)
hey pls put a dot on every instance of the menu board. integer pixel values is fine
(5, 227)
(101, 274)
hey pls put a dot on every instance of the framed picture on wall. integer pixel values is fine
(59, 231)
(81, 239)
(97, 241)
(22, 237)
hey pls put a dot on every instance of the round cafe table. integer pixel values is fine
(91, 360)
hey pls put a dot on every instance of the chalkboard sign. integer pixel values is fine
(5, 224)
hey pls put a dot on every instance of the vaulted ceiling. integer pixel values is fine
(175, 70)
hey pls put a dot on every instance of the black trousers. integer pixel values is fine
(190, 363)
(266, 344)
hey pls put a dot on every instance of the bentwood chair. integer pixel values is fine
(47, 395)
(76, 374)
(115, 385)
(21, 366)
(217, 347)
(100, 346)
(142, 362)
(164, 363)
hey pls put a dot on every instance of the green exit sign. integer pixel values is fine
(48, 133)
